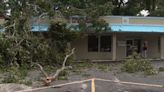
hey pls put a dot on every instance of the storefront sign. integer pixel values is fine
(121, 43)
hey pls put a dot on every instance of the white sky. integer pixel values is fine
(144, 12)
(125, 1)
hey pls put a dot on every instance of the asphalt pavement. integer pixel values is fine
(101, 86)
(79, 87)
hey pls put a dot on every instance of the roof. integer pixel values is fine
(136, 28)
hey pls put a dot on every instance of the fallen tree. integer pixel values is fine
(48, 79)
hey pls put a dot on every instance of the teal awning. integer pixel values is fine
(136, 28)
(39, 28)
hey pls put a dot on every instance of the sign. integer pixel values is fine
(121, 43)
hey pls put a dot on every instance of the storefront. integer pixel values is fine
(127, 34)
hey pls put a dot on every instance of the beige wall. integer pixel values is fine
(134, 20)
(81, 46)
(153, 48)
(152, 39)
(146, 21)
(109, 19)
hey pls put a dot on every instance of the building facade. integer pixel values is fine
(144, 35)
(125, 35)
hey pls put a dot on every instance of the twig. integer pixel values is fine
(9, 26)
(36, 7)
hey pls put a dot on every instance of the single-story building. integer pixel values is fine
(126, 32)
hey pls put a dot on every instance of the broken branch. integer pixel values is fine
(42, 70)
(64, 64)
(48, 79)
(65, 59)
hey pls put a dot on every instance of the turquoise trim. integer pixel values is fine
(136, 28)
(39, 28)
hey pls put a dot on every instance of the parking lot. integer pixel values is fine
(99, 85)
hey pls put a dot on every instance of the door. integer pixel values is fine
(129, 44)
(133, 45)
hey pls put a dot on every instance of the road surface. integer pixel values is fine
(102, 85)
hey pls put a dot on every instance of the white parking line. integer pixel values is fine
(75, 82)
(132, 83)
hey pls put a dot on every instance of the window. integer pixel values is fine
(105, 43)
(99, 43)
(92, 43)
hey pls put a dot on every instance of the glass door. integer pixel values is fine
(129, 44)
(133, 45)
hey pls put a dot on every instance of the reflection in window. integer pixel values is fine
(99, 43)
(92, 43)
(105, 43)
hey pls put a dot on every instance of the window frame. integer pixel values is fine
(99, 43)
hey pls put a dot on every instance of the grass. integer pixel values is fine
(86, 75)
(16, 75)
(79, 67)
(103, 67)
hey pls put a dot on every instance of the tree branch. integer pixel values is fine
(42, 70)
(48, 79)
(36, 7)
(64, 64)
(9, 26)
(65, 59)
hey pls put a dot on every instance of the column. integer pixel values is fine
(114, 46)
(162, 46)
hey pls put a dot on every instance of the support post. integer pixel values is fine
(114, 46)
(162, 46)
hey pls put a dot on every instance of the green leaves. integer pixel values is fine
(60, 35)
(136, 63)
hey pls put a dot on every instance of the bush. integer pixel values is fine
(136, 63)
(10, 79)
(14, 75)
(161, 69)
(103, 67)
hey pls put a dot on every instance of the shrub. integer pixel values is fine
(136, 63)
(161, 69)
(103, 67)
(14, 75)
(10, 79)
